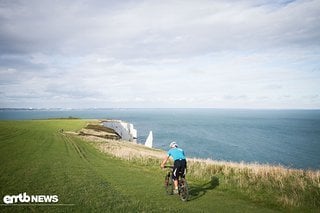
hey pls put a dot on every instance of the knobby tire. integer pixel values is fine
(168, 184)
(183, 191)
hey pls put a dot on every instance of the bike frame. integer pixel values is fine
(182, 185)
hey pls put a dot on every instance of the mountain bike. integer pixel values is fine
(182, 184)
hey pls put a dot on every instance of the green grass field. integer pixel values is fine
(37, 159)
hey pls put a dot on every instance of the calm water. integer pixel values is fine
(287, 137)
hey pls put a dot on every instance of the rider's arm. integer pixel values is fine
(164, 161)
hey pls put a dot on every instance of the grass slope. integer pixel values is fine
(36, 158)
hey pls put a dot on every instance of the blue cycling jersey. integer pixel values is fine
(176, 153)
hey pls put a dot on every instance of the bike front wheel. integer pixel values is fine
(168, 184)
(183, 190)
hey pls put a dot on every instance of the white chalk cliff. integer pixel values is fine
(149, 140)
(125, 130)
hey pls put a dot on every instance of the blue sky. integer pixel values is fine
(219, 54)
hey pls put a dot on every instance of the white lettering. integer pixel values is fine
(40, 198)
(55, 199)
(15, 198)
(24, 198)
(47, 199)
(34, 198)
(20, 197)
(7, 199)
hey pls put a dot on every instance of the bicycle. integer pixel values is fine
(183, 190)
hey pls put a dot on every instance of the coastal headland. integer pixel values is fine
(93, 171)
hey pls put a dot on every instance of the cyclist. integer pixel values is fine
(180, 163)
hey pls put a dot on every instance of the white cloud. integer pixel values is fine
(160, 54)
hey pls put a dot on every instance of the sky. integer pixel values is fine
(261, 54)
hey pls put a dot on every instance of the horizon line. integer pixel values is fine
(119, 108)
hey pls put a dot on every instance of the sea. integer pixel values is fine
(279, 137)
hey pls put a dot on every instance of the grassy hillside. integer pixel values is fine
(38, 159)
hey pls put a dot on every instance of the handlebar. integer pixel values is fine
(169, 167)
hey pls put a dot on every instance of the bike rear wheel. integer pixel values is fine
(183, 189)
(168, 184)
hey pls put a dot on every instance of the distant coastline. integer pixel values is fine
(265, 136)
(152, 108)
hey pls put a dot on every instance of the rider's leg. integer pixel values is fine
(175, 181)
(175, 184)
(175, 175)
(176, 190)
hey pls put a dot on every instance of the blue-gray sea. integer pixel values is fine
(287, 137)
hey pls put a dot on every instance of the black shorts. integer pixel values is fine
(179, 169)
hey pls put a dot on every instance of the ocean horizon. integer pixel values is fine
(288, 137)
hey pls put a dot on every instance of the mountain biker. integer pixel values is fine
(180, 163)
